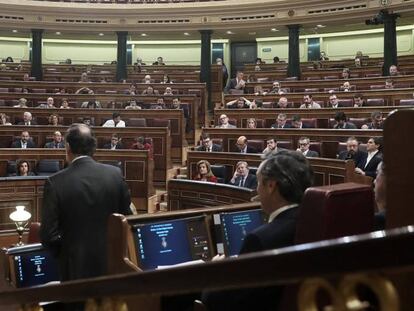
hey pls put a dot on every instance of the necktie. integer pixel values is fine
(241, 184)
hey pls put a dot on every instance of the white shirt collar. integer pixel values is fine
(281, 210)
(80, 157)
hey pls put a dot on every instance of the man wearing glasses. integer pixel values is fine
(304, 144)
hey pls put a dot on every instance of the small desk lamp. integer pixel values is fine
(21, 218)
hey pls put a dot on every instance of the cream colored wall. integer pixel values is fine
(18, 49)
(280, 48)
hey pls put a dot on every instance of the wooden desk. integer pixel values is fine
(185, 194)
(326, 171)
(43, 134)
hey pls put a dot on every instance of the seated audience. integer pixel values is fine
(394, 71)
(141, 144)
(304, 144)
(258, 90)
(65, 104)
(257, 68)
(159, 104)
(341, 121)
(133, 105)
(358, 62)
(85, 91)
(276, 88)
(251, 78)
(389, 84)
(323, 56)
(368, 166)
(236, 84)
(224, 122)
(282, 181)
(376, 121)
(168, 91)
(24, 142)
(132, 90)
(276, 60)
(282, 103)
(4, 119)
(358, 100)
(346, 87)
(346, 73)
(53, 120)
(271, 146)
(27, 119)
(84, 77)
(166, 79)
(89, 121)
(297, 122)
(57, 142)
(281, 122)
(380, 190)
(242, 178)
(26, 77)
(159, 62)
(207, 145)
(50, 103)
(241, 102)
(9, 59)
(317, 65)
(251, 123)
(204, 172)
(139, 62)
(333, 101)
(114, 144)
(150, 91)
(359, 54)
(243, 145)
(147, 79)
(22, 103)
(259, 61)
(352, 152)
(92, 104)
(309, 103)
(115, 121)
(23, 168)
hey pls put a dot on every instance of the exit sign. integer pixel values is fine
(267, 50)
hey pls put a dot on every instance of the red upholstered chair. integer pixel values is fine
(291, 78)
(358, 121)
(312, 90)
(375, 102)
(335, 211)
(137, 122)
(4, 90)
(315, 146)
(406, 102)
(313, 78)
(372, 75)
(333, 89)
(233, 121)
(345, 102)
(34, 233)
(236, 92)
(159, 123)
(257, 144)
(311, 122)
(284, 144)
(330, 77)
(377, 87)
(39, 91)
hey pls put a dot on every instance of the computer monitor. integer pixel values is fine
(32, 265)
(233, 227)
(171, 242)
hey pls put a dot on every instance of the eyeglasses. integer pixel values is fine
(303, 144)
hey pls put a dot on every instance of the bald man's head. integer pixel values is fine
(80, 139)
(241, 142)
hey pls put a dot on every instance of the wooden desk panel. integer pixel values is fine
(42, 134)
(185, 194)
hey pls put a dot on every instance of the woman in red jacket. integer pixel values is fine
(204, 172)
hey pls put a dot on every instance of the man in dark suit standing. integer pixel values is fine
(115, 143)
(24, 142)
(76, 205)
(242, 178)
(236, 84)
(207, 145)
(352, 152)
(282, 180)
(368, 166)
(243, 145)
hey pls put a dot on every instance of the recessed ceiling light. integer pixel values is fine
(14, 30)
(101, 34)
(252, 33)
(320, 26)
(143, 34)
(274, 29)
(58, 33)
(186, 34)
(229, 32)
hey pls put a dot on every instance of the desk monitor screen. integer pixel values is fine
(172, 242)
(234, 227)
(32, 265)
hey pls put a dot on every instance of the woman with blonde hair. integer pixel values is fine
(251, 123)
(204, 172)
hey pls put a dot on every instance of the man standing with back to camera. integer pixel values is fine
(76, 205)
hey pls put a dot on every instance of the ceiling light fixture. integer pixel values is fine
(320, 26)
(274, 29)
(186, 34)
(229, 32)
(101, 34)
(14, 30)
(58, 33)
(143, 34)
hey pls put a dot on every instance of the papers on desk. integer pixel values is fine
(183, 264)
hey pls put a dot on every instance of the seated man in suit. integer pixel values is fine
(297, 122)
(358, 100)
(115, 121)
(341, 121)
(282, 181)
(114, 144)
(282, 103)
(352, 152)
(50, 103)
(271, 146)
(24, 142)
(304, 143)
(281, 122)
(236, 84)
(224, 122)
(333, 101)
(207, 145)
(376, 121)
(242, 178)
(57, 141)
(243, 145)
(27, 119)
(368, 166)
(240, 103)
(309, 103)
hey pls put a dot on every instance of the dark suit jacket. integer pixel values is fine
(108, 146)
(312, 154)
(348, 126)
(33, 122)
(371, 168)
(215, 148)
(251, 149)
(231, 85)
(279, 233)
(358, 157)
(286, 126)
(76, 204)
(250, 182)
(18, 144)
(52, 145)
